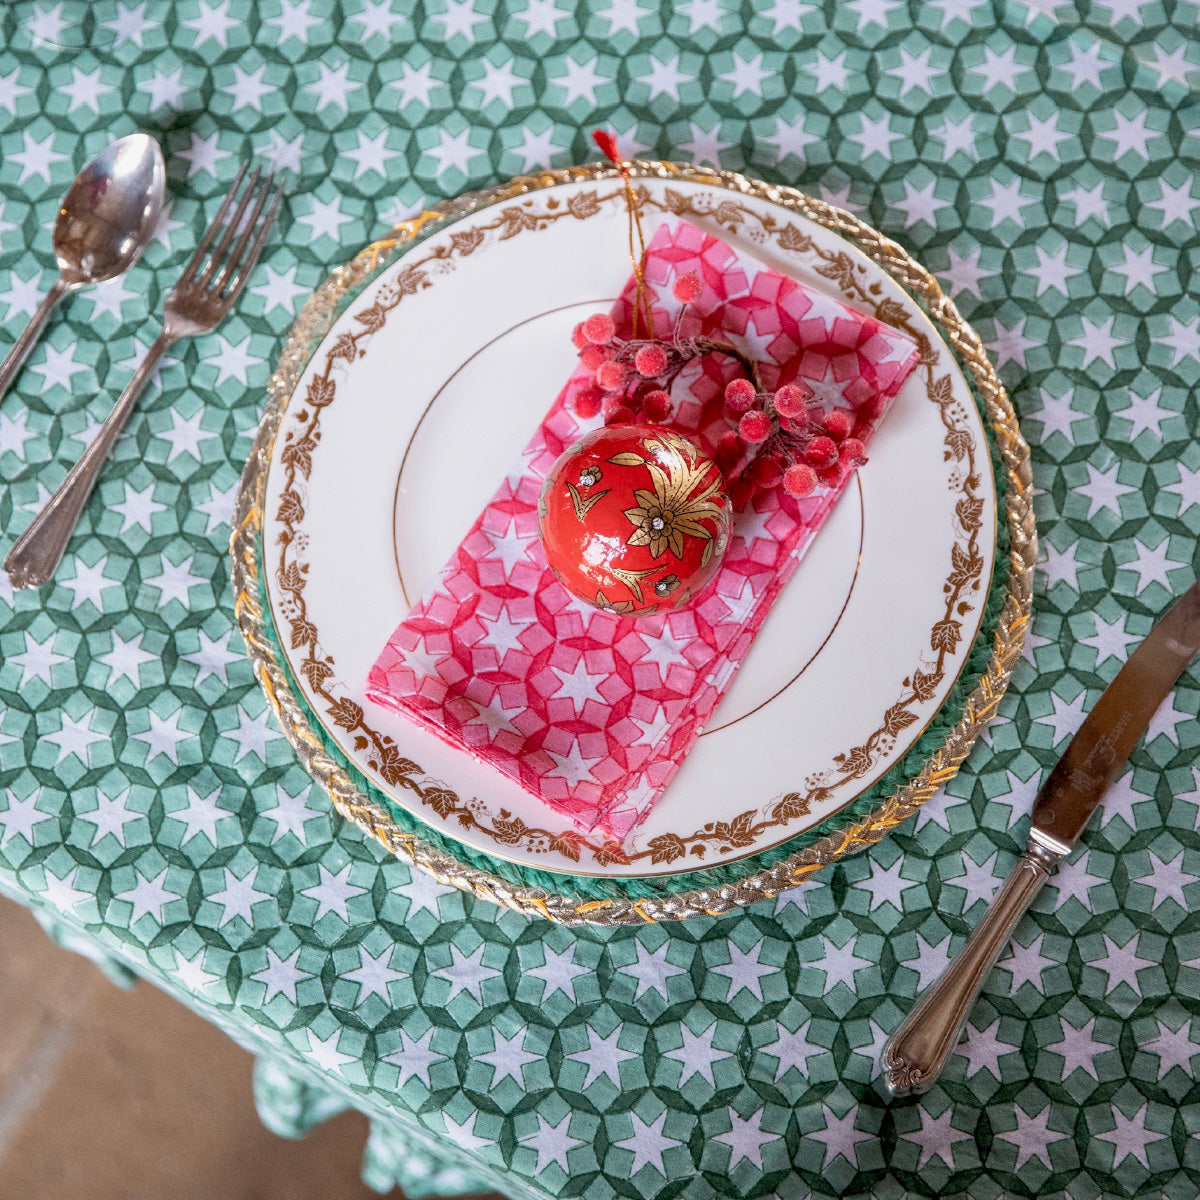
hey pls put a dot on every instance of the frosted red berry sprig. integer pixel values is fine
(792, 439)
(632, 377)
(780, 438)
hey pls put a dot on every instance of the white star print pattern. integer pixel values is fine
(1040, 157)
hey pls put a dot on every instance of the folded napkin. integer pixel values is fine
(593, 712)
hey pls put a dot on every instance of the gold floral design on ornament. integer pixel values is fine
(624, 608)
(581, 506)
(665, 517)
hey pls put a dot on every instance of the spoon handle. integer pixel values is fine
(30, 334)
(37, 552)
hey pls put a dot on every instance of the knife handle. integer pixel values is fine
(915, 1054)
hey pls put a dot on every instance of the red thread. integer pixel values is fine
(608, 147)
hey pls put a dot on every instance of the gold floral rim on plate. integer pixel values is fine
(312, 325)
(729, 838)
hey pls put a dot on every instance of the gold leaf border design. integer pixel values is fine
(308, 330)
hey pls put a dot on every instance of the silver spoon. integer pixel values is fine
(104, 224)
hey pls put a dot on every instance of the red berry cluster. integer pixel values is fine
(781, 437)
(631, 377)
(792, 439)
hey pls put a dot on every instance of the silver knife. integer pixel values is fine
(915, 1054)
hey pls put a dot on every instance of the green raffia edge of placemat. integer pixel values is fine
(591, 887)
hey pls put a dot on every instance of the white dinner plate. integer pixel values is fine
(439, 369)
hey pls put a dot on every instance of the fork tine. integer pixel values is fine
(247, 266)
(217, 262)
(211, 232)
(230, 264)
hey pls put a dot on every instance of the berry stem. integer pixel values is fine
(705, 345)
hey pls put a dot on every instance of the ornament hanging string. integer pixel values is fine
(637, 241)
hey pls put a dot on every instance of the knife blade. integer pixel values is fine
(916, 1053)
(1099, 750)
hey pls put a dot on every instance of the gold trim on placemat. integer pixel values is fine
(311, 326)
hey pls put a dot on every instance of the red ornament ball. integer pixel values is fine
(634, 519)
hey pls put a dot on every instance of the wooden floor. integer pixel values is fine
(114, 1095)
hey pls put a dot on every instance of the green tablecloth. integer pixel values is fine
(1041, 160)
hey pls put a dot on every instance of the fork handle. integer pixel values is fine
(916, 1053)
(37, 552)
(15, 360)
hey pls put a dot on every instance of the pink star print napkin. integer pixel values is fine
(592, 712)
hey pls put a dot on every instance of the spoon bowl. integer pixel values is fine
(111, 211)
(105, 222)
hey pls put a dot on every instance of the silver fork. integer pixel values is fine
(206, 291)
